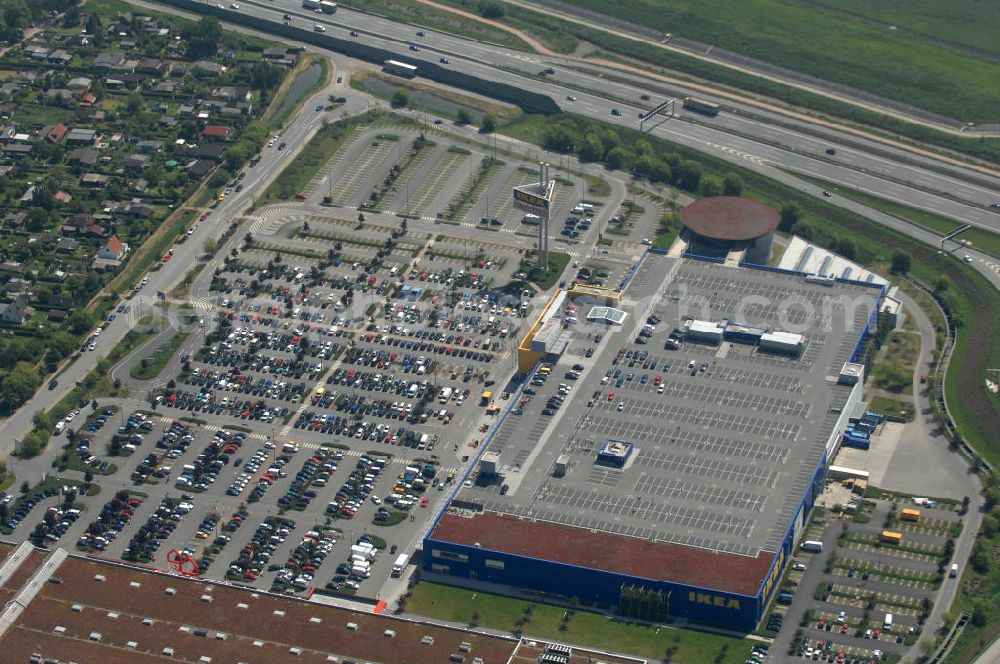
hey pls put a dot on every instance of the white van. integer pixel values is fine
(887, 623)
(290, 448)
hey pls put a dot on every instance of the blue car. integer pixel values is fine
(319, 107)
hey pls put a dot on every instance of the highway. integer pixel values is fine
(960, 193)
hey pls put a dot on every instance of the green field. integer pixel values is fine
(585, 628)
(907, 66)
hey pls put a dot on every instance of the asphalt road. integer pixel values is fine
(799, 151)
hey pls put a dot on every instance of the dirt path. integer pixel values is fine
(531, 41)
(781, 110)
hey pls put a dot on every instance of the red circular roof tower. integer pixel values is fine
(730, 218)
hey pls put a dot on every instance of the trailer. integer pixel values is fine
(711, 109)
(891, 537)
(399, 68)
(328, 7)
(399, 565)
(310, 4)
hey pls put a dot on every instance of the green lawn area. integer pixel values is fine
(547, 278)
(841, 47)
(151, 367)
(584, 628)
(891, 407)
(313, 156)
(894, 371)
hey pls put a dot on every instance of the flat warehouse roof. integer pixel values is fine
(722, 455)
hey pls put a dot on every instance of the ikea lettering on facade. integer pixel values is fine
(717, 601)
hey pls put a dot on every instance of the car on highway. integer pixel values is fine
(967, 258)
(616, 112)
(234, 5)
(281, 146)
(287, 17)
(644, 97)
(570, 98)
(414, 47)
(831, 151)
(319, 28)
(827, 193)
(354, 33)
(445, 61)
(319, 107)
(420, 33)
(995, 206)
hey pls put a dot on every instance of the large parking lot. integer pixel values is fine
(864, 596)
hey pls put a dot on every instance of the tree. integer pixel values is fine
(489, 124)
(732, 185)
(42, 420)
(492, 9)
(941, 284)
(847, 248)
(688, 175)
(19, 385)
(71, 18)
(980, 612)
(80, 321)
(463, 117)
(900, 262)
(710, 186)
(205, 38)
(789, 216)
(401, 99)
(990, 526)
(618, 158)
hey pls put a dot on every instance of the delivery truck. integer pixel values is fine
(399, 565)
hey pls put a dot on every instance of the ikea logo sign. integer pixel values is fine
(714, 600)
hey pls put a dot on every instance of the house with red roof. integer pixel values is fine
(113, 250)
(56, 133)
(217, 132)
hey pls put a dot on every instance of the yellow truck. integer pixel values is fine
(891, 537)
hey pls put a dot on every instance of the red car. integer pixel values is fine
(611, 396)
(166, 258)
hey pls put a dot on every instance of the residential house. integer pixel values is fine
(13, 220)
(113, 250)
(88, 100)
(200, 169)
(165, 87)
(17, 286)
(216, 132)
(14, 313)
(95, 230)
(140, 209)
(37, 51)
(206, 68)
(211, 151)
(60, 94)
(59, 57)
(85, 156)
(16, 150)
(81, 135)
(63, 196)
(107, 61)
(79, 83)
(76, 224)
(136, 163)
(93, 180)
(67, 245)
(55, 133)
(7, 108)
(151, 67)
(149, 147)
